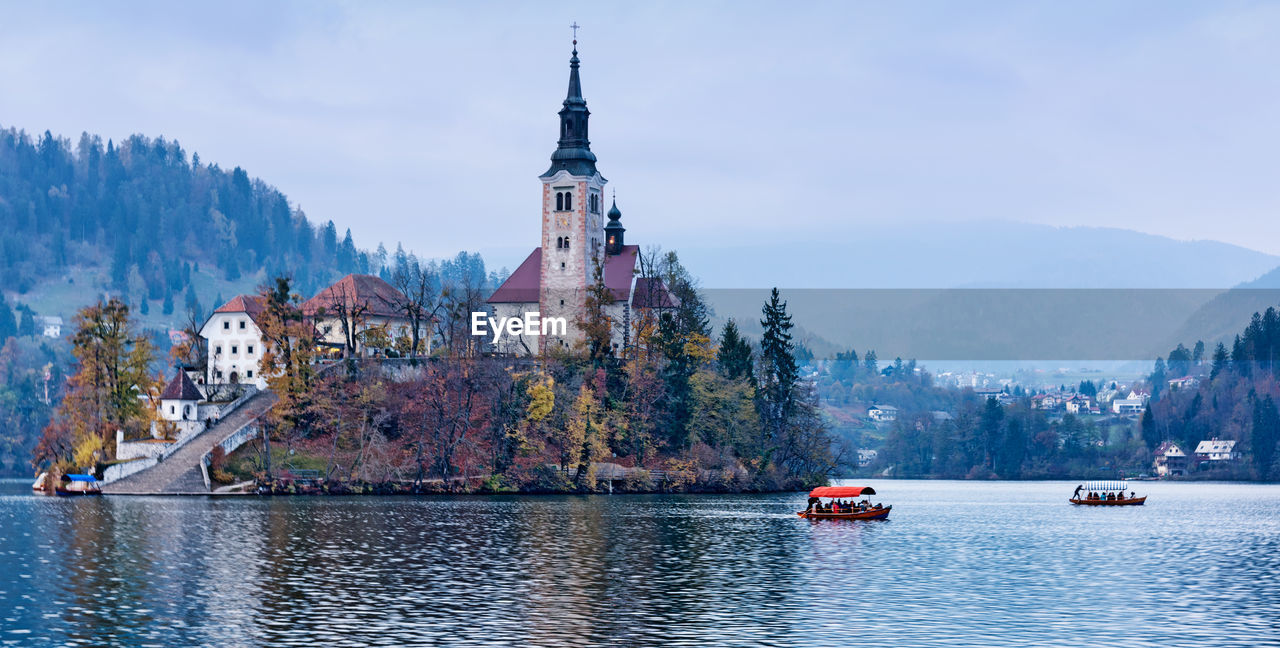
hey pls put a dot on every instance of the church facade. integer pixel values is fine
(554, 279)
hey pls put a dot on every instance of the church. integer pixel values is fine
(554, 278)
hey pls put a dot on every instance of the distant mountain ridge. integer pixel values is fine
(1223, 317)
(979, 254)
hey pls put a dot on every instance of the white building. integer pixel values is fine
(50, 327)
(235, 342)
(1216, 450)
(180, 403)
(883, 413)
(364, 303)
(1170, 460)
(1128, 405)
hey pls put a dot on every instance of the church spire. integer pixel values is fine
(573, 152)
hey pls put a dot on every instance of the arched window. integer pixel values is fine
(559, 242)
(559, 201)
(568, 201)
(566, 242)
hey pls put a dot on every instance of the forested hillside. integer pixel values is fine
(144, 221)
(149, 212)
(1235, 400)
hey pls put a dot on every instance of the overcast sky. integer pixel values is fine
(429, 124)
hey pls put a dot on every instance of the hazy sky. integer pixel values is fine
(715, 123)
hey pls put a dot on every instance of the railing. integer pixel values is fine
(248, 431)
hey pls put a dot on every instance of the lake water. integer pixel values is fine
(958, 564)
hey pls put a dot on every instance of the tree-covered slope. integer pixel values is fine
(147, 213)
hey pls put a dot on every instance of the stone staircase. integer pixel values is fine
(179, 474)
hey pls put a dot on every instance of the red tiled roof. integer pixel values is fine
(619, 270)
(377, 296)
(522, 286)
(181, 388)
(253, 305)
(652, 293)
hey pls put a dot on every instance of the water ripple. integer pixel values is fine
(959, 564)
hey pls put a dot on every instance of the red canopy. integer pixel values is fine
(841, 491)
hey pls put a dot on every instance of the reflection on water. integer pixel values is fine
(959, 563)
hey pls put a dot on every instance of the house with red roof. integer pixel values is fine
(234, 342)
(364, 315)
(553, 281)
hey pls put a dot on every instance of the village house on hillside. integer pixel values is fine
(50, 326)
(1170, 460)
(362, 314)
(1215, 453)
(883, 413)
(554, 279)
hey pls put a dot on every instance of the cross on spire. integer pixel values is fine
(575, 28)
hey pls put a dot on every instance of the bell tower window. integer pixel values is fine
(564, 200)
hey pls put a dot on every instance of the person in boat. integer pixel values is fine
(812, 501)
(1120, 497)
(1076, 495)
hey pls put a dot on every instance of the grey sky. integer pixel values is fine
(715, 123)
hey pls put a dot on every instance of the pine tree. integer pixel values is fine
(778, 371)
(8, 326)
(1158, 378)
(192, 302)
(1265, 433)
(1220, 360)
(735, 355)
(167, 307)
(992, 418)
(27, 322)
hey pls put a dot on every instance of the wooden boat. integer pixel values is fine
(1105, 494)
(78, 485)
(857, 512)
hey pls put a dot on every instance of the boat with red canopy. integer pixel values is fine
(843, 504)
(1105, 494)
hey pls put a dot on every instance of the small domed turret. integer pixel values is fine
(614, 230)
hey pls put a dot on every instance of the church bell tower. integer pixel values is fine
(572, 222)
